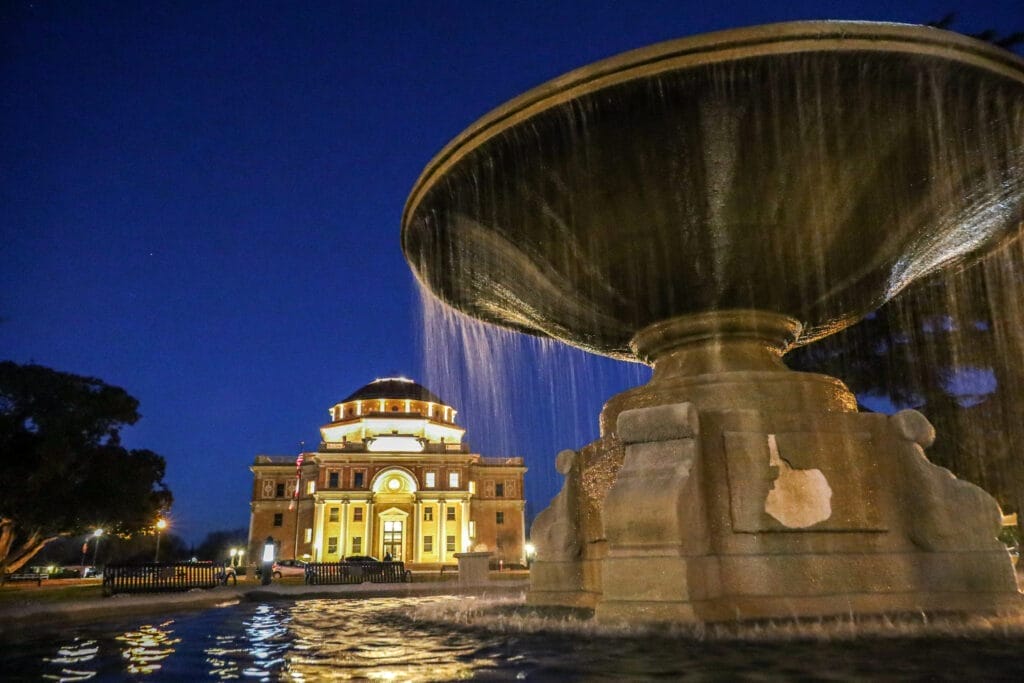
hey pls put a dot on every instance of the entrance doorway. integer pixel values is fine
(393, 539)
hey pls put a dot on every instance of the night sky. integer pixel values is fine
(200, 201)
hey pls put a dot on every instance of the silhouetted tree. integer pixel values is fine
(63, 470)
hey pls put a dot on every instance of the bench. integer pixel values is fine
(28, 576)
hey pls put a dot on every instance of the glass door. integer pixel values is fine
(393, 540)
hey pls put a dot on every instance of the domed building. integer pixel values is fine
(392, 476)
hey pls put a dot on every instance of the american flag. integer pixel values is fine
(298, 480)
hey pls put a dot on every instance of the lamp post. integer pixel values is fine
(96, 547)
(238, 557)
(85, 548)
(234, 557)
(161, 524)
(268, 561)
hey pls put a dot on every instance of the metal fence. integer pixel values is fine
(323, 573)
(161, 577)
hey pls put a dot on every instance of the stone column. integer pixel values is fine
(318, 529)
(416, 528)
(343, 534)
(368, 546)
(442, 547)
(465, 544)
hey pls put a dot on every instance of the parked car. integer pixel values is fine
(288, 568)
(362, 559)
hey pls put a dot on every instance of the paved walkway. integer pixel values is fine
(26, 614)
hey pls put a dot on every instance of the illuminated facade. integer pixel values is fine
(393, 477)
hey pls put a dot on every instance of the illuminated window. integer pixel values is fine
(280, 491)
(428, 544)
(332, 515)
(430, 479)
(332, 480)
(357, 545)
(357, 514)
(499, 490)
(308, 535)
(310, 488)
(450, 516)
(450, 544)
(394, 484)
(453, 480)
(332, 545)
(428, 514)
(499, 517)
(278, 518)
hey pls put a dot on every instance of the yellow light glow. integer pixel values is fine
(161, 524)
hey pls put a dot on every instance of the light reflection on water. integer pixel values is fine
(443, 638)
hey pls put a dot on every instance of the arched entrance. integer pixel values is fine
(394, 494)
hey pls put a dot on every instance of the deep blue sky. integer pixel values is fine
(200, 201)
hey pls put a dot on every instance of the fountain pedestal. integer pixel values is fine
(757, 492)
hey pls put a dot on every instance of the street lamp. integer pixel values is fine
(239, 557)
(96, 547)
(161, 524)
(85, 548)
(234, 556)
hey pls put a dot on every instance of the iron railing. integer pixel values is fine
(323, 573)
(161, 577)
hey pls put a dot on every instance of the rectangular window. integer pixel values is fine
(308, 535)
(428, 514)
(450, 516)
(332, 515)
(332, 545)
(278, 518)
(450, 544)
(499, 517)
(310, 487)
(357, 545)
(430, 479)
(280, 491)
(499, 490)
(357, 514)
(357, 479)
(453, 480)
(428, 544)
(332, 480)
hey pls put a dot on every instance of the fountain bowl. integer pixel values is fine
(812, 170)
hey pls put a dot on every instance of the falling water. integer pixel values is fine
(518, 395)
(950, 347)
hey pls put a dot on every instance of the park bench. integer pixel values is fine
(325, 573)
(163, 577)
(28, 576)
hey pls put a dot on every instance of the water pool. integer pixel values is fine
(447, 638)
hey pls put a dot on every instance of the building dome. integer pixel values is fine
(396, 388)
(394, 414)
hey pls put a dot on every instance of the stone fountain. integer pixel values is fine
(703, 205)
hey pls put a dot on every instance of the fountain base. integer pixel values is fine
(763, 494)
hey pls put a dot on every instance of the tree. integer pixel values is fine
(62, 467)
(218, 544)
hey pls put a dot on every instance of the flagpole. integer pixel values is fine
(295, 498)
